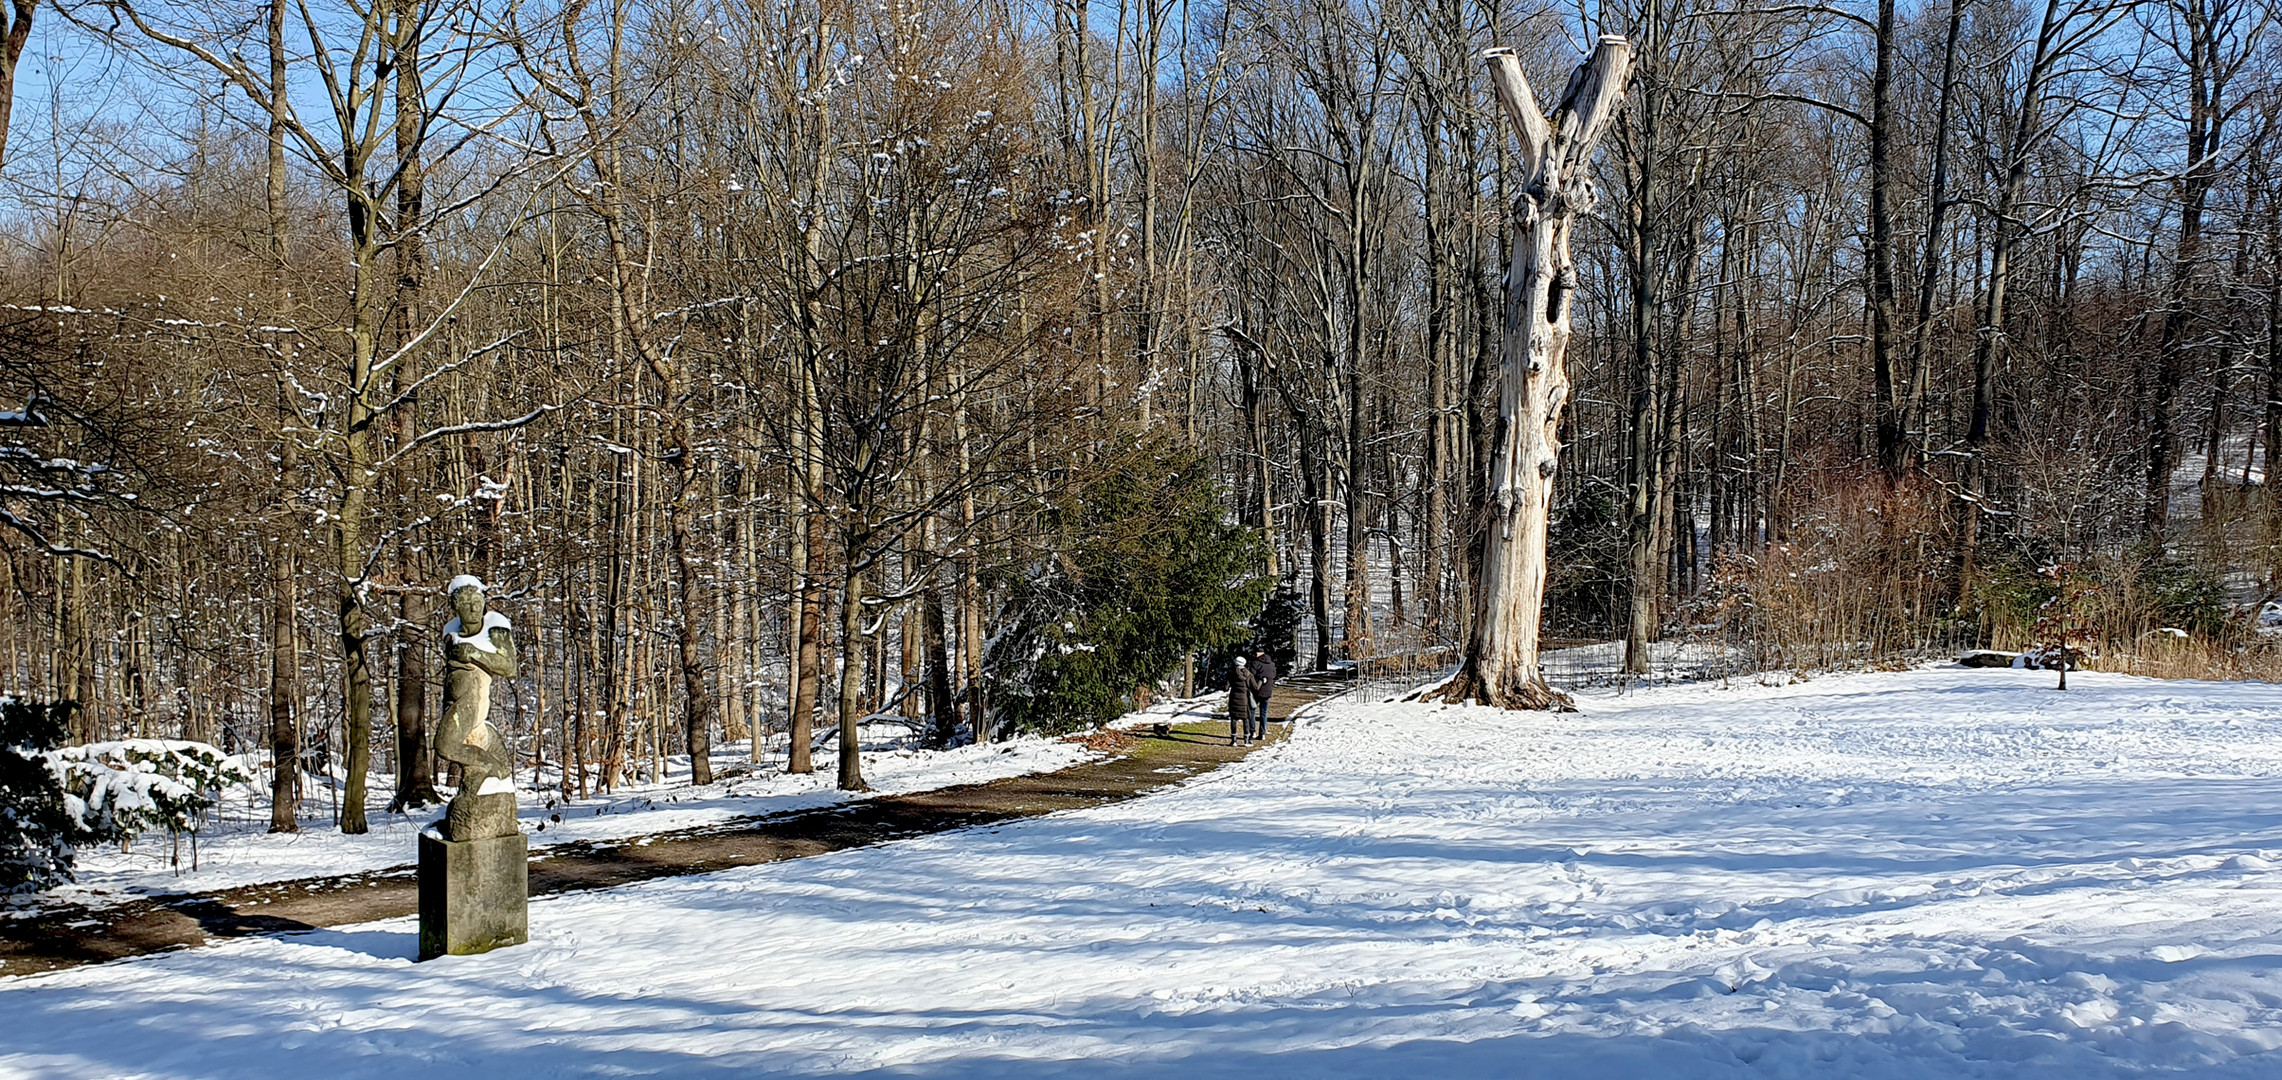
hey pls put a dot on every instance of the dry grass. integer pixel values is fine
(1107, 741)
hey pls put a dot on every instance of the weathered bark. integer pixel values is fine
(1501, 659)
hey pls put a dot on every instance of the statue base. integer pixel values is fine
(474, 816)
(474, 894)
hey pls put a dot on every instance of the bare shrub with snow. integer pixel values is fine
(120, 790)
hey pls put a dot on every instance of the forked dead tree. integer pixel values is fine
(1501, 659)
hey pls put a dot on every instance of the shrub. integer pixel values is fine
(37, 833)
(2064, 634)
(120, 790)
(1859, 577)
(2185, 595)
(1141, 567)
(1588, 578)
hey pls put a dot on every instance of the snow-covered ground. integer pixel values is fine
(237, 848)
(1939, 873)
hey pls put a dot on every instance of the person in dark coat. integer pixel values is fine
(1263, 686)
(1240, 707)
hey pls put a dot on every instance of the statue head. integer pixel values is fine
(467, 602)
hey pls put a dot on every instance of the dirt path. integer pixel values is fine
(1142, 762)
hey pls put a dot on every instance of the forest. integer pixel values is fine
(785, 363)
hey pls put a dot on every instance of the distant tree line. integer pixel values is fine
(783, 363)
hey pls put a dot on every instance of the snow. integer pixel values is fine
(237, 849)
(465, 581)
(481, 639)
(1936, 873)
(127, 786)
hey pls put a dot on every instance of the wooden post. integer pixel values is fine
(1501, 659)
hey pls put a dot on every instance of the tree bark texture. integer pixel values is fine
(1501, 659)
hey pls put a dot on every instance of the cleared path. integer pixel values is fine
(1147, 762)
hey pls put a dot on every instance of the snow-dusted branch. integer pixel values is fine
(473, 428)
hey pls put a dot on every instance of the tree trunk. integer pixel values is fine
(942, 708)
(2273, 408)
(285, 652)
(1501, 660)
(14, 33)
(369, 304)
(415, 778)
(681, 518)
(2205, 85)
(1891, 422)
(970, 583)
(617, 657)
(348, 552)
(1356, 589)
(852, 646)
(284, 679)
(808, 444)
(1318, 544)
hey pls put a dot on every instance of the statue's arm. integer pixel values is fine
(500, 662)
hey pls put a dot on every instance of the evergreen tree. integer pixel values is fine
(35, 827)
(1145, 566)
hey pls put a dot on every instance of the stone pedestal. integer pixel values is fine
(474, 894)
(471, 816)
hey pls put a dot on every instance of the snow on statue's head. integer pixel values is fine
(466, 592)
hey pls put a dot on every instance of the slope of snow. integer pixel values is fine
(1939, 873)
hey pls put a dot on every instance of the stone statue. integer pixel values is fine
(475, 884)
(485, 806)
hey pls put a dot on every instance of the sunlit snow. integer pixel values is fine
(1937, 873)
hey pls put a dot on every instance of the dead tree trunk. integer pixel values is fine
(1501, 659)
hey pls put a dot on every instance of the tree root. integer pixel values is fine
(1529, 694)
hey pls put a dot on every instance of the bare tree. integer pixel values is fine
(1554, 153)
(348, 145)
